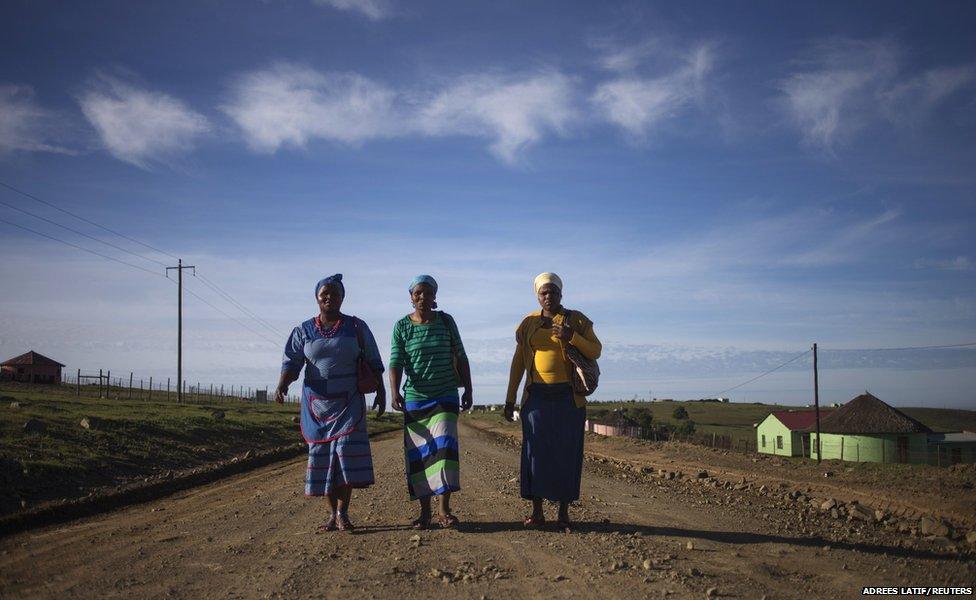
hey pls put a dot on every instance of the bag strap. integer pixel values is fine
(448, 320)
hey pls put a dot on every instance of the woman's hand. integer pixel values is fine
(379, 403)
(280, 394)
(509, 412)
(396, 400)
(466, 400)
(563, 331)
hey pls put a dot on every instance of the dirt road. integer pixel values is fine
(252, 536)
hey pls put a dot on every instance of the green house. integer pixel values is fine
(869, 430)
(783, 432)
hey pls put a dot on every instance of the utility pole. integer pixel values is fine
(179, 326)
(816, 399)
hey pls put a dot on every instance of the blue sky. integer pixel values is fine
(718, 184)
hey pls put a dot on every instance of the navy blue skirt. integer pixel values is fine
(552, 443)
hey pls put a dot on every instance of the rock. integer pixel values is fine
(711, 592)
(828, 504)
(861, 512)
(295, 420)
(218, 415)
(648, 562)
(690, 545)
(828, 474)
(88, 423)
(702, 474)
(647, 470)
(971, 537)
(880, 515)
(929, 526)
(556, 578)
(247, 455)
(15, 405)
(763, 489)
(834, 513)
(694, 572)
(34, 426)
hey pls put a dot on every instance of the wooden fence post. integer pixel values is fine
(150, 389)
(842, 448)
(78, 384)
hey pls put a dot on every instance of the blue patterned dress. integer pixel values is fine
(333, 413)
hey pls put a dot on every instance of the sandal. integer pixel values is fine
(343, 523)
(448, 521)
(533, 522)
(329, 525)
(420, 523)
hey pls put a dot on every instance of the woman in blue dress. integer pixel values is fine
(333, 411)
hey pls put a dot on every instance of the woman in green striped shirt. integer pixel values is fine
(427, 348)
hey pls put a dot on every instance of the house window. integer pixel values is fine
(779, 442)
(764, 440)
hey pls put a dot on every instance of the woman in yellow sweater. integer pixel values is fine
(552, 416)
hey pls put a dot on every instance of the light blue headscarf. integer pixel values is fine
(423, 279)
(332, 279)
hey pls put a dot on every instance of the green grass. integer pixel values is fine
(130, 439)
(736, 419)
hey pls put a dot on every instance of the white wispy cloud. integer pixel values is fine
(958, 263)
(844, 85)
(374, 10)
(288, 105)
(513, 111)
(25, 126)
(638, 104)
(140, 126)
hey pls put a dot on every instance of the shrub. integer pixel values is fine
(680, 413)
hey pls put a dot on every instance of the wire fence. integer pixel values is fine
(105, 384)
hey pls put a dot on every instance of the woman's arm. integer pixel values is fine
(291, 363)
(398, 356)
(515, 373)
(286, 379)
(587, 343)
(375, 362)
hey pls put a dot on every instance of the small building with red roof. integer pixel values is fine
(31, 367)
(784, 432)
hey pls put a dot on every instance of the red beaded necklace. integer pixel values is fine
(332, 330)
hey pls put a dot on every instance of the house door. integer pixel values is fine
(903, 448)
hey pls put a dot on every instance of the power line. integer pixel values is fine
(240, 306)
(100, 241)
(207, 282)
(235, 319)
(59, 240)
(797, 357)
(79, 217)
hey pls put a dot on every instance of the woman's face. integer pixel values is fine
(330, 298)
(422, 297)
(549, 296)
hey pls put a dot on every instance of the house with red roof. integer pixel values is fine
(31, 367)
(784, 432)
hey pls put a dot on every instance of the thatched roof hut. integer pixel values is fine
(867, 414)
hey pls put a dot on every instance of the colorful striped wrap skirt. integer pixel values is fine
(430, 442)
(334, 426)
(552, 443)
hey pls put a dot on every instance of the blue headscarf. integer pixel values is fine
(423, 279)
(332, 279)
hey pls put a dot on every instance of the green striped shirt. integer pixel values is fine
(423, 351)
